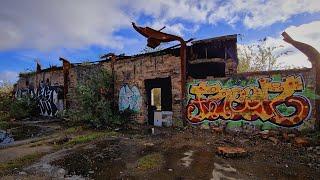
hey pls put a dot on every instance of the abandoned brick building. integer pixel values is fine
(215, 92)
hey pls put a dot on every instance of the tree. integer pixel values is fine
(259, 57)
(94, 102)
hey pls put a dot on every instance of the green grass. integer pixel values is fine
(74, 129)
(90, 137)
(150, 161)
(7, 167)
(4, 125)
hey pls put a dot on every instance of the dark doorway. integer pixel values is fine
(159, 96)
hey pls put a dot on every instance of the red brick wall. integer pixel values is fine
(135, 70)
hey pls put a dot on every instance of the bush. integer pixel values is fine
(15, 108)
(94, 99)
(23, 107)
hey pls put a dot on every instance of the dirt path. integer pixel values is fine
(174, 154)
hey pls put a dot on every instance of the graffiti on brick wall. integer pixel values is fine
(47, 97)
(279, 102)
(129, 98)
(24, 92)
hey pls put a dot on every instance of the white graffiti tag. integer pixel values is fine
(129, 98)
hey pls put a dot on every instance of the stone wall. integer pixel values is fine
(266, 100)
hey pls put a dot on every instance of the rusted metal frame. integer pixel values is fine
(154, 39)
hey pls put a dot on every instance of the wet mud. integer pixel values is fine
(186, 156)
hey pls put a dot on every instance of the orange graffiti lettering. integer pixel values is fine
(253, 102)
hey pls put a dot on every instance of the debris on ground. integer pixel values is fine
(264, 134)
(218, 130)
(274, 140)
(301, 142)
(231, 152)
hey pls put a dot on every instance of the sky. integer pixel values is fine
(83, 30)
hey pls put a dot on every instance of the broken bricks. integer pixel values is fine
(301, 142)
(218, 130)
(231, 152)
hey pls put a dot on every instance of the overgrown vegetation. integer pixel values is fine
(260, 57)
(94, 99)
(7, 167)
(86, 138)
(11, 108)
(150, 161)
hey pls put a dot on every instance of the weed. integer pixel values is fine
(93, 97)
(7, 167)
(72, 130)
(150, 162)
(89, 137)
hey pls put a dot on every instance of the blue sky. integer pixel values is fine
(82, 30)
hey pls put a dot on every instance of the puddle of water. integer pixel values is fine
(219, 172)
(114, 159)
(16, 132)
(5, 138)
(186, 161)
(100, 161)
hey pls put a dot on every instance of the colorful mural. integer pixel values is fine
(280, 102)
(129, 98)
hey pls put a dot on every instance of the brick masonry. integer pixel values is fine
(131, 72)
(134, 71)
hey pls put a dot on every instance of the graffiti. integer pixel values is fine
(129, 98)
(48, 103)
(47, 97)
(277, 102)
(24, 92)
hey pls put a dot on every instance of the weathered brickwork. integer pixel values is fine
(53, 77)
(46, 86)
(134, 71)
(216, 93)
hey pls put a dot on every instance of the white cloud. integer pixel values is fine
(257, 13)
(8, 76)
(306, 33)
(50, 24)
(46, 24)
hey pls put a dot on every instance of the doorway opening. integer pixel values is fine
(156, 98)
(159, 96)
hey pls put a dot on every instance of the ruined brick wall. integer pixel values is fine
(130, 74)
(34, 80)
(266, 100)
(78, 74)
(46, 86)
